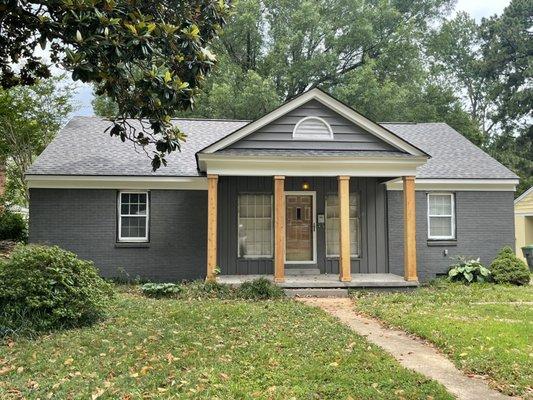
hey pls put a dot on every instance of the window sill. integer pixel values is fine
(441, 242)
(337, 258)
(132, 244)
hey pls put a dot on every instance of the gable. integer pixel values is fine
(312, 126)
(319, 102)
(524, 203)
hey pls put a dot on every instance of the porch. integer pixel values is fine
(300, 248)
(323, 281)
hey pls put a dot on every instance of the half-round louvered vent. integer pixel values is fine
(312, 128)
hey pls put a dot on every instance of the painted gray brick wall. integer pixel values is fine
(484, 221)
(84, 221)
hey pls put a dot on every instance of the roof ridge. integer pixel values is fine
(173, 119)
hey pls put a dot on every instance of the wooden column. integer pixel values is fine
(344, 229)
(279, 229)
(212, 205)
(409, 228)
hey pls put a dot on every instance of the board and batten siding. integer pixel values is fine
(374, 248)
(346, 135)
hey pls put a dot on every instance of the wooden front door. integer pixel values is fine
(299, 235)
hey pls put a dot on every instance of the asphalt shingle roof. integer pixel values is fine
(83, 148)
(452, 155)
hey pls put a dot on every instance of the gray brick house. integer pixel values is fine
(311, 188)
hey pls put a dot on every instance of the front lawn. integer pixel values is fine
(207, 349)
(485, 329)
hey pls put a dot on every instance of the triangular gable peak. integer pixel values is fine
(314, 120)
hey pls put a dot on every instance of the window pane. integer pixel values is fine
(440, 226)
(133, 227)
(440, 204)
(255, 225)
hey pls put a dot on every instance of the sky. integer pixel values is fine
(476, 8)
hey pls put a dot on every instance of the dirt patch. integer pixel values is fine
(6, 247)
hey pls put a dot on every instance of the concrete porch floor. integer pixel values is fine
(327, 281)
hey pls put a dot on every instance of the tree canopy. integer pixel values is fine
(149, 57)
(30, 117)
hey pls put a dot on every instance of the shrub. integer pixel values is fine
(43, 288)
(12, 227)
(468, 271)
(260, 289)
(508, 268)
(159, 290)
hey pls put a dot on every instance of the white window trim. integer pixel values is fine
(299, 136)
(354, 256)
(451, 216)
(260, 256)
(119, 210)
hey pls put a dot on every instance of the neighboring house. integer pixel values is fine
(523, 220)
(312, 187)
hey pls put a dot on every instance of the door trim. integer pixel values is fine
(313, 226)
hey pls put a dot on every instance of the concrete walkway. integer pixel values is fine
(410, 352)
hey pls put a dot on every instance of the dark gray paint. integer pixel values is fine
(484, 224)
(84, 221)
(278, 134)
(373, 224)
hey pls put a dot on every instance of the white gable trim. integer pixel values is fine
(327, 100)
(467, 185)
(116, 182)
(309, 166)
(523, 195)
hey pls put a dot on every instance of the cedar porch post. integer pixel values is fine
(212, 204)
(279, 229)
(409, 228)
(344, 229)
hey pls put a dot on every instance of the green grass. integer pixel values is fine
(207, 349)
(488, 339)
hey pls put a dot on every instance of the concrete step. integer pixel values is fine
(302, 271)
(316, 292)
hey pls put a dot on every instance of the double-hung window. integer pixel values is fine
(133, 216)
(255, 226)
(333, 225)
(441, 216)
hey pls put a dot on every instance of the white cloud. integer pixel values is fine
(479, 9)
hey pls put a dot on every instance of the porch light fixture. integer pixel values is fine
(305, 185)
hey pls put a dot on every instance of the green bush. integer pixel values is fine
(12, 227)
(43, 288)
(159, 290)
(468, 271)
(508, 268)
(260, 289)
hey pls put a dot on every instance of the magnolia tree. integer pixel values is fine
(149, 57)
